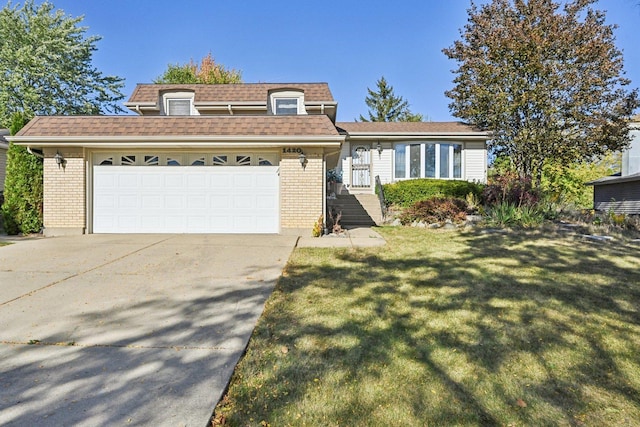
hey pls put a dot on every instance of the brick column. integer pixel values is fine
(64, 193)
(301, 190)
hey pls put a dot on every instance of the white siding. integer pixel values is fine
(475, 161)
(382, 163)
(345, 163)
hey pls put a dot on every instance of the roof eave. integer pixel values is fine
(418, 135)
(614, 180)
(184, 141)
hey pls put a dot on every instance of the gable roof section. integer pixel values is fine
(404, 129)
(165, 130)
(231, 93)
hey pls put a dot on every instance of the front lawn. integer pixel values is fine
(447, 328)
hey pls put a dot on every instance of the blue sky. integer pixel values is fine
(348, 44)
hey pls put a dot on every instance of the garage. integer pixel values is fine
(196, 198)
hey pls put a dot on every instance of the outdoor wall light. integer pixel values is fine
(303, 159)
(59, 159)
(379, 148)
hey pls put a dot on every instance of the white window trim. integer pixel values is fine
(179, 96)
(289, 94)
(423, 144)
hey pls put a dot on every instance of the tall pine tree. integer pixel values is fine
(385, 106)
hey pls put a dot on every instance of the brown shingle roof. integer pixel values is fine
(141, 126)
(243, 92)
(406, 127)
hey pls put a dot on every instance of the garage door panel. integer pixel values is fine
(197, 202)
(152, 181)
(154, 201)
(128, 201)
(173, 181)
(166, 199)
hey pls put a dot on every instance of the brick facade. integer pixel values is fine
(301, 190)
(64, 192)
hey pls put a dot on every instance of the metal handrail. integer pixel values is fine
(380, 193)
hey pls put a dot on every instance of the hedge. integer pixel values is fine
(406, 193)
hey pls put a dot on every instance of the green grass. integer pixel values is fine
(447, 328)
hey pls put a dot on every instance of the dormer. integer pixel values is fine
(286, 102)
(177, 103)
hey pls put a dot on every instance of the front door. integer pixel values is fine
(361, 167)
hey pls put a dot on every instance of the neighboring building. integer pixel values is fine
(242, 158)
(621, 193)
(4, 146)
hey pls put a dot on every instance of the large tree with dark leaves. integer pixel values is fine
(547, 80)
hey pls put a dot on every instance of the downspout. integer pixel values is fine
(30, 151)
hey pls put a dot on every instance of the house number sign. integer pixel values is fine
(296, 150)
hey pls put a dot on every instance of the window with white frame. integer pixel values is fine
(427, 160)
(178, 107)
(286, 102)
(286, 106)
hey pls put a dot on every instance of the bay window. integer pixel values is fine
(428, 160)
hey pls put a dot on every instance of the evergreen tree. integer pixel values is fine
(385, 106)
(22, 207)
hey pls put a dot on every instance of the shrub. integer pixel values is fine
(406, 193)
(505, 214)
(509, 188)
(22, 207)
(436, 209)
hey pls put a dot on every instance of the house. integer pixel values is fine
(621, 193)
(244, 158)
(4, 146)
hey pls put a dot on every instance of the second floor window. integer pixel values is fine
(286, 106)
(179, 107)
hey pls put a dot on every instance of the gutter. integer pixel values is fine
(174, 142)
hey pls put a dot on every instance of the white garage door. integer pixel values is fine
(167, 199)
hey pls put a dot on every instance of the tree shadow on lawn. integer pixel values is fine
(475, 328)
(132, 364)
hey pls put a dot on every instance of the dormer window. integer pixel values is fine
(287, 102)
(286, 106)
(178, 107)
(178, 103)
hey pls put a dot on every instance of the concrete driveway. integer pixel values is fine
(128, 329)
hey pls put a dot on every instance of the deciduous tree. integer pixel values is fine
(45, 69)
(208, 71)
(385, 106)
(547, 80)
(45, 65)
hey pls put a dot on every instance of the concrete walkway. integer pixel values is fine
(360, 237)
(128, 329)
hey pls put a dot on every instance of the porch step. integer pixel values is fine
(357, 209)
